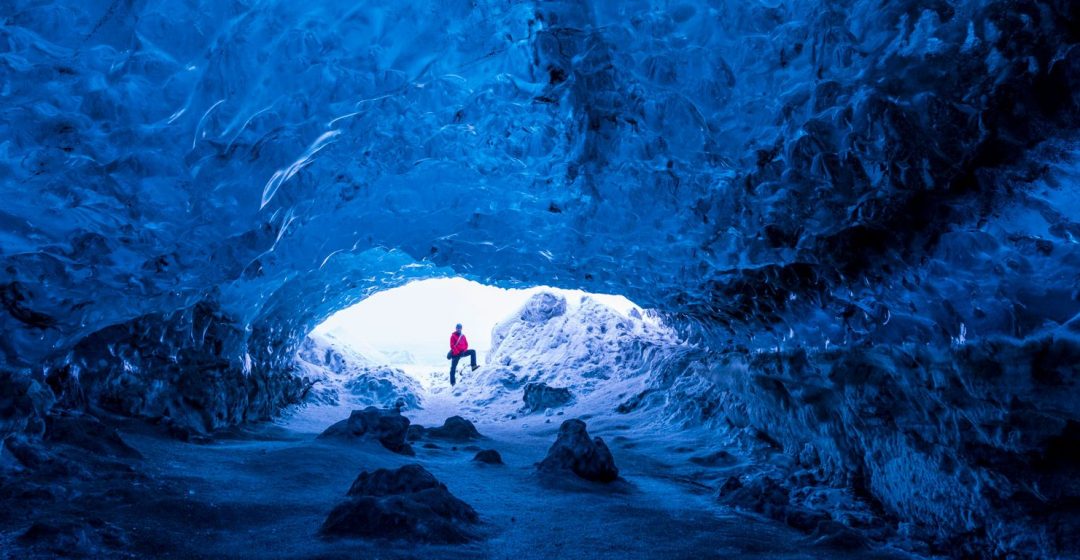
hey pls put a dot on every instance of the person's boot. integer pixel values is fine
(475, 367)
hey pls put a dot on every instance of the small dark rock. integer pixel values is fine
(455, 428)
(387, 426)
(541, 396)
(489, 456)
(573, 451)
(407, 503)
(414, 433)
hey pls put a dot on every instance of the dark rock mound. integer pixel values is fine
(387, 426)
(414, 433)
(573, 451)
(541, 396)
(455, 428)
(408, 503)
(489, 456)
(88, 433)
(385, 482)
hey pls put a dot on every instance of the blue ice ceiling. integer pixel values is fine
(207, 181)
(719, 159)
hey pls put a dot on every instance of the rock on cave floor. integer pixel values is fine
(262, 492)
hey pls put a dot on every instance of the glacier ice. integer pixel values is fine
(822, 198)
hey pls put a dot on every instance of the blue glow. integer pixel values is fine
(860, 216)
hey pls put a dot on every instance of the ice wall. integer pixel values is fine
(192, 182)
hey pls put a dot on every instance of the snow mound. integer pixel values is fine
(586, 347)
(353, 377)
(342, 379)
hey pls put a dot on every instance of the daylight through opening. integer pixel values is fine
(537, 350)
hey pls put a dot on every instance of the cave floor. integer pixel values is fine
(263, 491)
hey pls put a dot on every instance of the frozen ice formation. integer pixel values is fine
(861, 215)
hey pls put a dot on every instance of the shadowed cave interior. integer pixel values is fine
(849, 230)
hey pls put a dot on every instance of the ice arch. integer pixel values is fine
(163, 151)
(200, 183)
(280, 160)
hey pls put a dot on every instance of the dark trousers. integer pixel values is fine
(454, 360)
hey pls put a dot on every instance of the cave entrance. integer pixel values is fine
(408, 327)
(392, 346)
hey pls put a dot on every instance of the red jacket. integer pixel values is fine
(458, 344)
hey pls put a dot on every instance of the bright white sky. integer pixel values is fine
(417, 318)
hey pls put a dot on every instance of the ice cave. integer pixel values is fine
(846, 232)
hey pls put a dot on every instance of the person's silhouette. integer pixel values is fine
(459, 348)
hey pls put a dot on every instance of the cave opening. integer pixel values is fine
(391, 349)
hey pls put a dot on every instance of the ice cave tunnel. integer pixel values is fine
(849, 230)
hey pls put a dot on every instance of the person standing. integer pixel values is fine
(459, 348)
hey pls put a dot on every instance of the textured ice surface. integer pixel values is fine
(190, 187)
(716, 159)
(369, 382)
(341, 380)
(596, 352)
